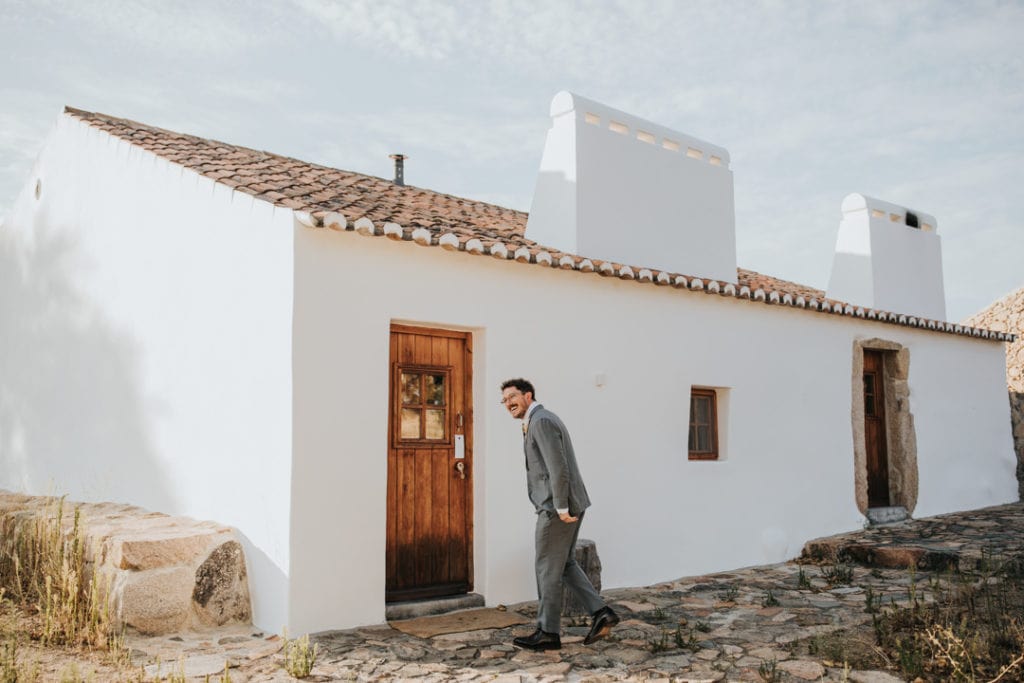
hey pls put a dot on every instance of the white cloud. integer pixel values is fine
(189, 29)
(425, 30)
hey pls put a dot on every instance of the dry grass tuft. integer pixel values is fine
(43, 569)
(299, 657)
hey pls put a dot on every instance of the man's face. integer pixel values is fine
(516, 402)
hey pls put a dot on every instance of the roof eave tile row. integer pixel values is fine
(321, 196)
(553, 259)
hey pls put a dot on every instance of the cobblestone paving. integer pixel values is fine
(719, 627)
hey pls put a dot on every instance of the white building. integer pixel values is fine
(313, 356)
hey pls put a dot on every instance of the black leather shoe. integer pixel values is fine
(539, 640)
(604, 619)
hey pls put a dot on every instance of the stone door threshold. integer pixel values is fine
(887, 515)
(411, 609)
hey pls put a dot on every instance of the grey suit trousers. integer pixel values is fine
(555, 565)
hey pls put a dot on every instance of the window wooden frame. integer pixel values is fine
(712, 397)
(397, 405)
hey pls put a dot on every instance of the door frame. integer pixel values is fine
(901, 437)
(465, 428)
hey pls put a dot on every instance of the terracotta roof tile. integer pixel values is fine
(756, 280)
(448, 221)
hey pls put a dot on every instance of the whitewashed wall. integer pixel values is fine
(149, 357)
(956, 464)
(146, 315)
(786, 475)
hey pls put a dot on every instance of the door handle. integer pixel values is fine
(460, 467)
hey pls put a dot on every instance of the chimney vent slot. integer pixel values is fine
(592, 119)
(644, 136)
(716, 161)
(912, 220)
(875, 213)
(620, 128)
(670, 145)
(694, 153)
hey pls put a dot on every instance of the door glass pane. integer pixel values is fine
(869, 395)
(435, 423)
(410, 423)
(410, 388)
(435, 390)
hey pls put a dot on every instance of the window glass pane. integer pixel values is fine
(410, 423)
(703, 409)
(703, 439)
(435, 424)
(410, 388)
(435, 390)
(693, 438)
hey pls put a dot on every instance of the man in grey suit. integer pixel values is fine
(556, 489)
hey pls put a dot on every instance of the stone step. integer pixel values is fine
(843, 549)
(396, 611)
(887, 515)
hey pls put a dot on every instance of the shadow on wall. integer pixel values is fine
(71, 403)
(268, 586)
(1017, 422)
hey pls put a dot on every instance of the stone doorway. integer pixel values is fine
(900, 438)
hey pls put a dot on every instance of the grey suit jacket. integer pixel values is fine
(553, 478)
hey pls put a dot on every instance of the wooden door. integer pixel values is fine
(430, 464)
(874, 430)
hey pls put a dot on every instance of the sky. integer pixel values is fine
(917, 103)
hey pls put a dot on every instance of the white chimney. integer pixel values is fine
(889, 258)
(618, 188)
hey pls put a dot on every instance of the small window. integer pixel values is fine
(703, 424)
(423, 409)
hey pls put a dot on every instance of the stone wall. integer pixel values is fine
(1007, 315)
(1017, 420)
(165, 574)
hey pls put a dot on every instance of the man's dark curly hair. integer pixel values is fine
(523, 385)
